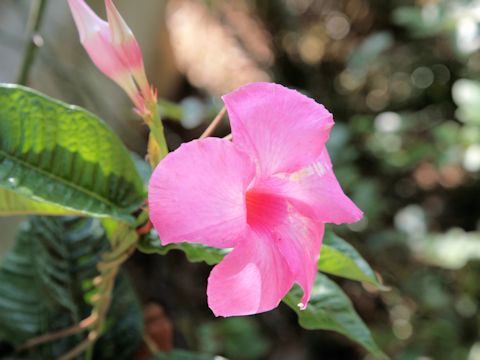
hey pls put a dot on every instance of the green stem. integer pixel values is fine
(157, 147)
(33, 26)
(159, 132)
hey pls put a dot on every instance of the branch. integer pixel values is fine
(34, 40)
(55, 335)
(214, 124)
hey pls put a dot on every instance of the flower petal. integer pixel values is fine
(197, 193)
(252, 279)
(316, 193)
(299, 242)
(95, 38)
(120, 32)
(122, 38)
(86, 20)
(281, 128)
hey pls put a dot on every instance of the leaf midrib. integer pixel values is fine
(59, 179)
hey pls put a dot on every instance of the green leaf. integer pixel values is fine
(46, 281)
(330, 309)
(12, 203)
(339, 258)
(150, 244)
(64, 155)
(182, 355)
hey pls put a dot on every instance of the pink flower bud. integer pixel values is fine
(114, 50)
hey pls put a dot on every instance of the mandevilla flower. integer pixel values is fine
(267, 195)
(114, 50)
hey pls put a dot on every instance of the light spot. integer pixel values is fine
(311, 47)
(337, 26)
(193, 110)
(388, 122)
(471, 159)
(411, 220)
(474, 353)
(377, 99)
(13, 182)
(467, 41)
(465, 306)
(422, 77)
(402, 329)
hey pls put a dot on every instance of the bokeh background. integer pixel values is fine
(402, 79)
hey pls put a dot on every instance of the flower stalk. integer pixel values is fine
(35, 18)
(214, 124)
(157, 144)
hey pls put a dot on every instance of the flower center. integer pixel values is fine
(264, 210)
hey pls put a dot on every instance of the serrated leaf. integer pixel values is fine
(46, 281)
(64, 155)
(339, 258)
(329, 308)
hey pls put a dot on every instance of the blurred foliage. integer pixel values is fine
(238, 337)
(182, 355)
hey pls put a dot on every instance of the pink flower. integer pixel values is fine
(114, 50)
(267, 195)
